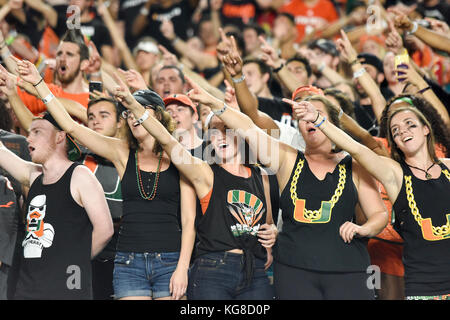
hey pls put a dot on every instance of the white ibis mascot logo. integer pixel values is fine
(39, 234)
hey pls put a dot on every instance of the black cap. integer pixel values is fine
(373, 60)
(325, 45)
(73, 151)
(149, 98)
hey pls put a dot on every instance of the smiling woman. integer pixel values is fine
(417, 183)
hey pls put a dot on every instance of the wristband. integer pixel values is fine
(6, 55)
(10, 40)
(96, 74)
(144, 11)
(175, 40)
(321, 67)
(142, 118)
(414, 29)
(48, 98)
(219, 113)
(423, 90)
(359, 73)
(239, 80)
(276, 70)
(34, 85)
(321, 122)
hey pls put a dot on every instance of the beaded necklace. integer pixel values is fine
(144, 195)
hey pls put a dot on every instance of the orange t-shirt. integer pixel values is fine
(307, 18)
(36, 106)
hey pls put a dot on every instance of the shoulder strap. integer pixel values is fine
(265, 178)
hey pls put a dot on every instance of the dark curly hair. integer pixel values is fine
(344, 102)
(438, 128)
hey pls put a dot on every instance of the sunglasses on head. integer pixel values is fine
(126, 113)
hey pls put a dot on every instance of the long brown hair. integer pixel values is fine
(396, 153)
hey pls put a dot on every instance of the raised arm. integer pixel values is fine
(46, 10)
(116, 36)
(20, 169)
(349, 55)
(269, 151)
(195, 170)
(385, 170)
(200, 59)
(248, 103)
(112, 149)
(430, 37)
(411, 76)
(271, 58)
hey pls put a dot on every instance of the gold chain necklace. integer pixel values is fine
(315, 214)
(437, 231)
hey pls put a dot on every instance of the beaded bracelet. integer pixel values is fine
(219, 112)
(238, 80)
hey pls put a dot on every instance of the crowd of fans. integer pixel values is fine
(151, 95)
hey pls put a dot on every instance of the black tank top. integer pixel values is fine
(235, 212)
(312, 241)
(426, 254)
(150, 225)
(56, 256)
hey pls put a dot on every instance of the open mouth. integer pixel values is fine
(166, 93)
(62, 69)
(31, 149)
(407, 139)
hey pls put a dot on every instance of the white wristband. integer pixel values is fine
(144, 11)
(48, 98)
(142, 118)
(239, 80)
(219, 112)
(358, 73)
(414, 29)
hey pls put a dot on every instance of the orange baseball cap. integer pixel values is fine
(314, 90)
(180, 98)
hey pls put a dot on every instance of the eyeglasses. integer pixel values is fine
(127, 113)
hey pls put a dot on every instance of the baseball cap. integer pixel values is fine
(147, 46)
(325, 45)
(73, 151)
(368, 58)
(150, 98)
(314, 90)
(180, 98)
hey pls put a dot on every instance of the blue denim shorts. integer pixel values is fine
(143, 274)
(220, 276)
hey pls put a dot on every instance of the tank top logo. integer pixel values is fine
(39, 234)
(301, 214)
(247, 209)
(427, 230)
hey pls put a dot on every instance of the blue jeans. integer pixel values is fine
(143, 274)
(220, 276)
